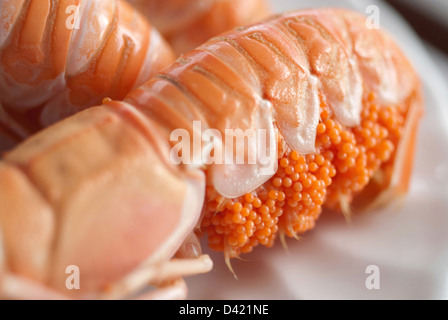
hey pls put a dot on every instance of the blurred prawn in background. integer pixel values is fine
(187, 24)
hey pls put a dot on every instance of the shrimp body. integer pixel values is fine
(340, 104)
(59, 57)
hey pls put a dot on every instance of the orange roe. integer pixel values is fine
(291, 201)
(106, 100)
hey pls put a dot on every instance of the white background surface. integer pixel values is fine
(409, 245)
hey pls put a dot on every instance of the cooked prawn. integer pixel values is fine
(340, 102)
(59, 57)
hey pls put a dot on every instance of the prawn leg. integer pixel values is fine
(381, 192)
(402, 169)
(162, 276)
(17, 287)
(177, 290)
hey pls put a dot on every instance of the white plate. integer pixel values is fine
(409, 245)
